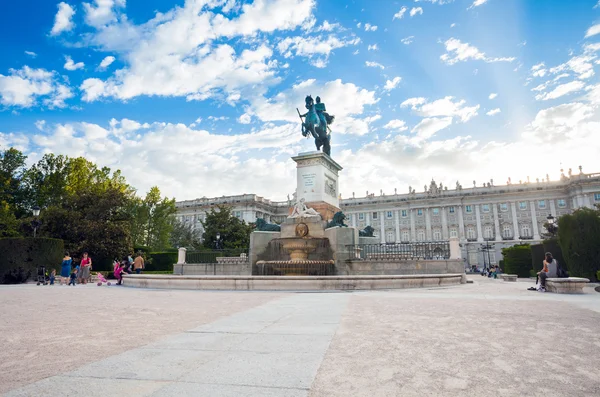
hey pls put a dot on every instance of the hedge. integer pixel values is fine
(552, 246)
(161, 261)
(29, 254)
(517, 260)
(537, 257)
(579, 238)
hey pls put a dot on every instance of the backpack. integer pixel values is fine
(560, 272)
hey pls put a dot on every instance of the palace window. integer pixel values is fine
(436, 211)
(361, 216)
(542, 204)
(421, 235)
(492, 257)
(390, 237)
(503, 207)
(522, 205)
(473, 258)
(420, 212)
(405, 236)
(485, 207)
(451, 210)
(238, 214)
(468, 209)
(453, 233)
(507, 231)
(471, 233)
(562, 203)
(525, 231)
(389, 214)
(488, 232)
(404, 213)
(437, 235)
(596, 196)
(374, 215)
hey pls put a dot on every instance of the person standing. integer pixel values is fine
(84, 268)
(65, 270)
(138, 263)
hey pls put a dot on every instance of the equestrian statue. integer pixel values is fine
(316, 122)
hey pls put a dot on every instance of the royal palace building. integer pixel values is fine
(485, 217)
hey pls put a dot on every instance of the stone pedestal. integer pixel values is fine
(317, 182)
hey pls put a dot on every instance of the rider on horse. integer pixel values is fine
(317, 123)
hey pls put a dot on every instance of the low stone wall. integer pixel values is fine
(293, 283)
(237, 267)
(390, 267)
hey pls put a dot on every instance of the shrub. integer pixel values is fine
(537, 257)
(598, 275)
(579, 238)
(29, 254)
(517, 260)
(533, 273)
(162, 261)
(16, 276)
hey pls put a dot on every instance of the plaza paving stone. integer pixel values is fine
(489, 338)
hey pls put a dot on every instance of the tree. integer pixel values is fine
(152, 220)
(12, 167)
(234, 232)
(184, 235)
(517, 260)
(579, 239)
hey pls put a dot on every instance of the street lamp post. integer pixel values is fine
(552, 226)
(35, 223)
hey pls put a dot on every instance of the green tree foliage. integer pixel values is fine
(184, 235)
(234, 232)
(517, 260)
(28, 254)
(537, 257)
(579, 238)
(12, 167)
(152, 220)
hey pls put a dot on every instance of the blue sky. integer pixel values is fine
(199, 96)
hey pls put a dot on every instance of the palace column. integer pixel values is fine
(367, 219)
(353, 219)
(553, 209)
(478, 218)
(382, 226)
(536, 232)
(516, 231)
(497, 223)
(445, 234)
(428, 225)
(397, 217)
(413, 232)
(461, 223)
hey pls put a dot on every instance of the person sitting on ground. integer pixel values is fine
(138, 263)
(549, 270)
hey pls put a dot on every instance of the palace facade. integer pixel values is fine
(480, 216)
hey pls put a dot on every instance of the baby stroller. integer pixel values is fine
(102, 279)
(41, 275)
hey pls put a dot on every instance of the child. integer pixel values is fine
(73, 276)
(52, 276)
(119, 269)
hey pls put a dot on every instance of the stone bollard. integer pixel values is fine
(455, 252)
(181, 256)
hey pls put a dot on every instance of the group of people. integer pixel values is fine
(81, 272)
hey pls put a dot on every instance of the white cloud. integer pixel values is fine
(440, 2)
(63, 19)
(400, 14)
(70, 65)
(245, 118)
(597, 4)
(40, 124)
(580, 65)
(185, 39)
(391, 84)
(592, 31)
(328, 27)
(407, 40)
(369, 27)
(493, 112)
(442, 107)
(101, 12)
(452, 25)
(477, 3)
(493, 95)
(106, 62)
(416, 10)
(397, 125)
(31, 54)
(23, 87)
(562, 90)
(374, 65)
(313, 46)
(456, 51)
(428, 127)
(372, 47)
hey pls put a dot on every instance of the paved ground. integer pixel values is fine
(490, 338)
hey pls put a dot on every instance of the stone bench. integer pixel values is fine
(571, 285)
(508, 277)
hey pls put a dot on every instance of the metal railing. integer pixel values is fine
(212, 255)
(426, 250)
